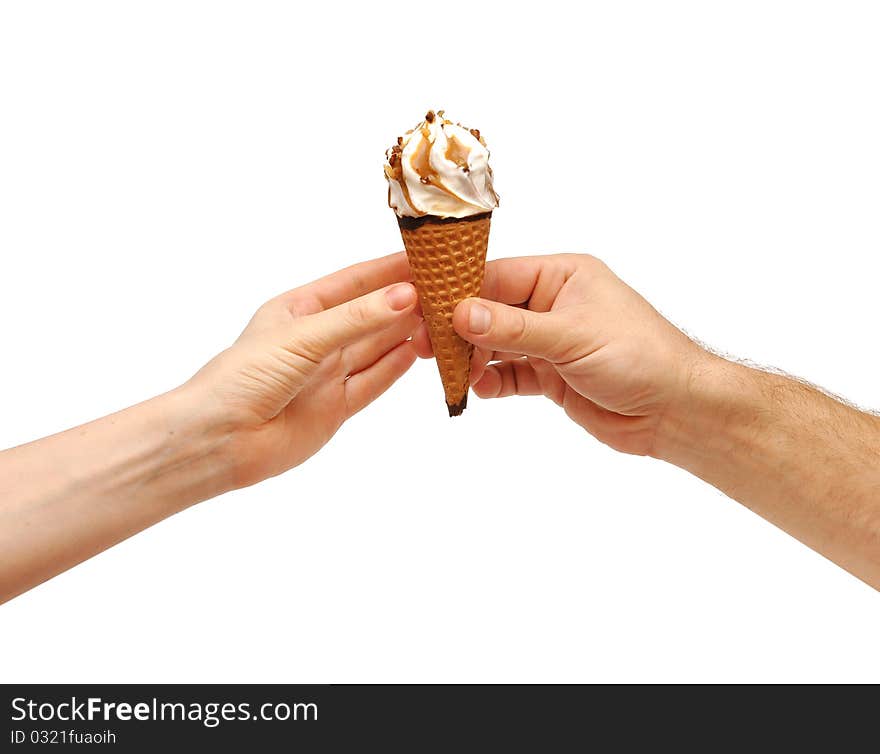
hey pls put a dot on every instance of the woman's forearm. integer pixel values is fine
(69, 496)
(800, 459)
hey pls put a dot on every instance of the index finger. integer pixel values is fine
(349, 283)
(527, 280)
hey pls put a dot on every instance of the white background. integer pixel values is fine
(166, 166)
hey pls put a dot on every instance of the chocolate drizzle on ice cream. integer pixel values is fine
(440, 168)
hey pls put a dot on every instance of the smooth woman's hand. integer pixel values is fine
(307, 361)
(566, 327)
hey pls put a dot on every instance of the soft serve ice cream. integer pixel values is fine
(440, 168)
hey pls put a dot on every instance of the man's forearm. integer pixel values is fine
(800, 459)
(72, 495)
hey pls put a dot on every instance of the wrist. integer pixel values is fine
(709, 412)
(198, 441)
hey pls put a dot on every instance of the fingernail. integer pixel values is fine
(479, 319)
(400, 297)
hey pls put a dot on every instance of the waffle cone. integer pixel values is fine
(447, 257)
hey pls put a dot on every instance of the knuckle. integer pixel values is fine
(589, 262)
(296, 306)
(305, 345)
(267, 312)
(303, 304)
(519, 327)
(358, 313)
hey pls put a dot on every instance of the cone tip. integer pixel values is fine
(457, 408)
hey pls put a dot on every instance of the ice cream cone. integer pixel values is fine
(447, 257)
(440, 188)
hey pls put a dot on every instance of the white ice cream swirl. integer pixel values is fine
(440, 168)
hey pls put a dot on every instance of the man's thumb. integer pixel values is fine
(316, 336)
(499, 327)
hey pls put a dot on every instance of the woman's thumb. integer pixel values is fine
(316, 336)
